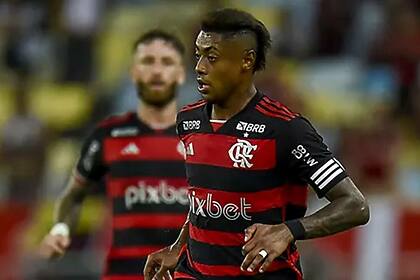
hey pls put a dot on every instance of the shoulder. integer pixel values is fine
(189, 117)
(191, 110)
(193, 106)
(114, 124)
(271, 108)
(116, 120)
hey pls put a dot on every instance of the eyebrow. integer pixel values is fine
(206, 49)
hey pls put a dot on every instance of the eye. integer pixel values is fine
(212, 58)
(197, 56)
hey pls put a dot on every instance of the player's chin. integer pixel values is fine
(206, 94)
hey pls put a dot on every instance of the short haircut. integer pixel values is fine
(233, 22)
(158, 34)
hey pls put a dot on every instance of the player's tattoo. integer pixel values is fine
(67, 208)
(348, 208)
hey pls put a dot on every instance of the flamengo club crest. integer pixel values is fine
(240, 153)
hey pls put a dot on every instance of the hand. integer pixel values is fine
(160, 264)
(53, 246)
(274, 239)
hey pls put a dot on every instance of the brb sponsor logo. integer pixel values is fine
(191, 125)
(250, 127)
(211, 208)
(241, 153)
(149, 194)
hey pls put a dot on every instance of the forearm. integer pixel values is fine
(339, 215)
(67, 208)
(182, 237)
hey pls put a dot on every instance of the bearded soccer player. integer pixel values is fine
(249, 160)
(143, 162)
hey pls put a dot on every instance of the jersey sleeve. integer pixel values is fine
(91, 164)
(310, 160)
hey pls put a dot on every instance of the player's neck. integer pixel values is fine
(235, 103)
(157, 117)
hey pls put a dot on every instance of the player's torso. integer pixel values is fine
(237, 178)
(148, 192)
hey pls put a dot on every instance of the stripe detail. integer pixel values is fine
(329, 179)
(148, 221)
(216, 237)
(266, 112)
(137, 237)
(218, 121)
(132, 252)
(116, 120)
(231, 152)
(322, 168)
(274, 108)
(231, 270)
(326, 173)
(158, 169)
(193, 105)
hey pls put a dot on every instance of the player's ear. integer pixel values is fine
(249, 59)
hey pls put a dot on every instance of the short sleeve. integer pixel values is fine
(310, 160)
(91, 164)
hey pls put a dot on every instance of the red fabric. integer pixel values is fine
(148, 221)
(214, 149)
(216, 125)
(149, 148)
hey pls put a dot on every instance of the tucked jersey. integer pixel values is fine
(145, 181)
(254, 169)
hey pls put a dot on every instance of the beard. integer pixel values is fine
(156, 98)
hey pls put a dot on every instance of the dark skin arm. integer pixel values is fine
(160, 264)
(347, 209)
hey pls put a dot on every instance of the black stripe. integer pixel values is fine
(129, 266)
(144, 236)
(214, 255)
(294, 211)
(284, 274)
(119, 207)
(233, 179)
(208, 254)
(123, 169)
(272, 217)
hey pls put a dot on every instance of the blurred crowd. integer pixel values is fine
(352, 67)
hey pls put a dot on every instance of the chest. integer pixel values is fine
(142, 148)
(238, 144)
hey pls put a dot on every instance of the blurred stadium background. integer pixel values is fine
(352, 67)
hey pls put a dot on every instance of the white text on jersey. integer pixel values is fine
(149, 194)
(250, 127)
(211, 208)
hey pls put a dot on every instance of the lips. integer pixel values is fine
(156, 84)
(203, 86)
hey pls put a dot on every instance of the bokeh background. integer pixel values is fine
(352, 67)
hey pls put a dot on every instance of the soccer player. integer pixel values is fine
(248, 161)
(141, 159)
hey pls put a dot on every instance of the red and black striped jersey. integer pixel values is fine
(254, 169)
(145, 181)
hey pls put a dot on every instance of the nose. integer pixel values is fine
(200, 67)
(157, 69)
